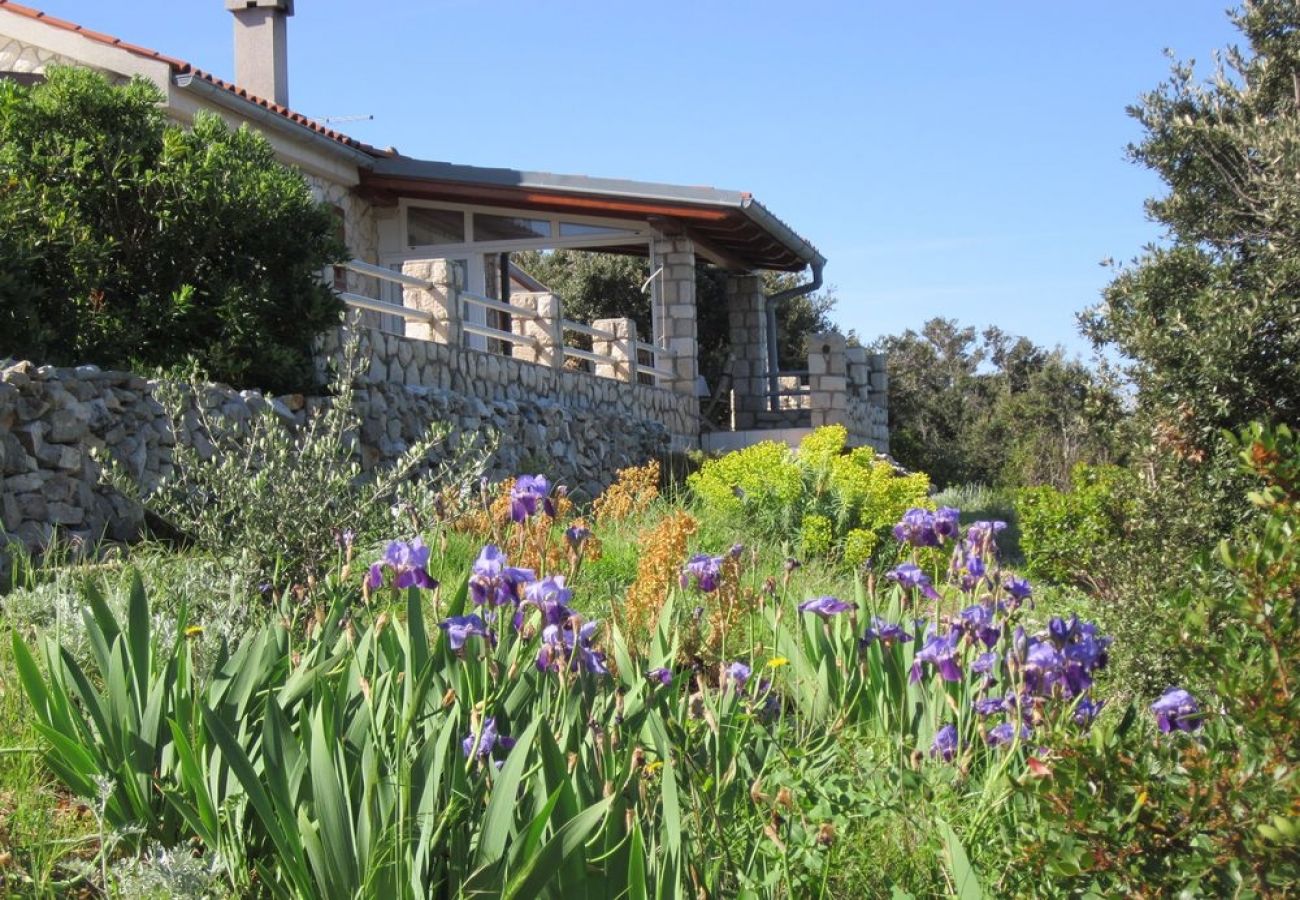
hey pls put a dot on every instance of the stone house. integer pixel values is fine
(431, 241)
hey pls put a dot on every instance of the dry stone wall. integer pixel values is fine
(58, 424)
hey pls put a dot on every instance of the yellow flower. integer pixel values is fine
(777, 662)
(193, 631)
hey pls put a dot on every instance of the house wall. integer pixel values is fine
(17, 56)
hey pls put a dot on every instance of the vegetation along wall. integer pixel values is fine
(57, 426)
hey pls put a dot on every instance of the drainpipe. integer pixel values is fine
(772, 301)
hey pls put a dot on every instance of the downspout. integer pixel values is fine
(772, 302)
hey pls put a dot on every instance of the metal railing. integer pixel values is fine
(660, 369)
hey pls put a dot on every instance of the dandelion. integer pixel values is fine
(777, 662)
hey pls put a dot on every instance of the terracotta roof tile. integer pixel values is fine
(181, 67)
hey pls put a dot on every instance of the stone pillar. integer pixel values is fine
(674, 306)
(440, 300)
(622, 348)
(543, 327)
(746, 312)
(828, 378)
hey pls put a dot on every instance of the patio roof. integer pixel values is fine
(734, 226)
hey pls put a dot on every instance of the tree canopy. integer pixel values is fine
(129, 241)
(1210, 317)
(989, 407)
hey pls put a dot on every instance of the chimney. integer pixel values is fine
(262, 47)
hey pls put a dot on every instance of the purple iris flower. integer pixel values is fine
(705, 570)
(461, 628)
(1177, 710)
(559, 644)
(987, 706)
(885, 632)
(492, 581)
(550, 597)
(917, 528)
(1062, 630)
(941, 652)
(662, 675)
(576, 535)
(488, 739)
(825, 606)
(409, 563)
(739, 673)
(527, 493)
(985, 663)
(1018, 588)
(981, 537)
(977, 621)
(909, 575)
(1086, 710)
(945, 743)
(1043, 667)
(736, 550)
(1006, 733)
(946, 522)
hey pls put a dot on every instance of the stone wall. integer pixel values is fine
(850, 387)
(15, 56)
(495, 379)
(56, 424)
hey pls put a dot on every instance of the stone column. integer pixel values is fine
(440, 300)
(674, 306)
(543, 326)
(622, 348)
(827, 378)
(746, 306)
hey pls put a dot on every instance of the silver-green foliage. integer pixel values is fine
(281, 494)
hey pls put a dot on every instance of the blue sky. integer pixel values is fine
(952, 158)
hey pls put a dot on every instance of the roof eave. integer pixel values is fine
(190, 81)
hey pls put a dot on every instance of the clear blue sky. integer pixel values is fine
(952, 158)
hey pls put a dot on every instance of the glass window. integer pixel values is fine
(577, 229)
(509, 228)
(426, 226)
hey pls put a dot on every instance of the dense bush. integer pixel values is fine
(128, 241)
(836, 501)
(1065, 535)
(1215, 812)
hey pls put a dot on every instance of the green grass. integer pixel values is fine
(46, 835)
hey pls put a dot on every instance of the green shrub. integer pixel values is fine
(1065, 534)
(127, 241)
(821, 492)
(1213, 812)
(236, 499)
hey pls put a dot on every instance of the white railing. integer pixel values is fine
(660, 370)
